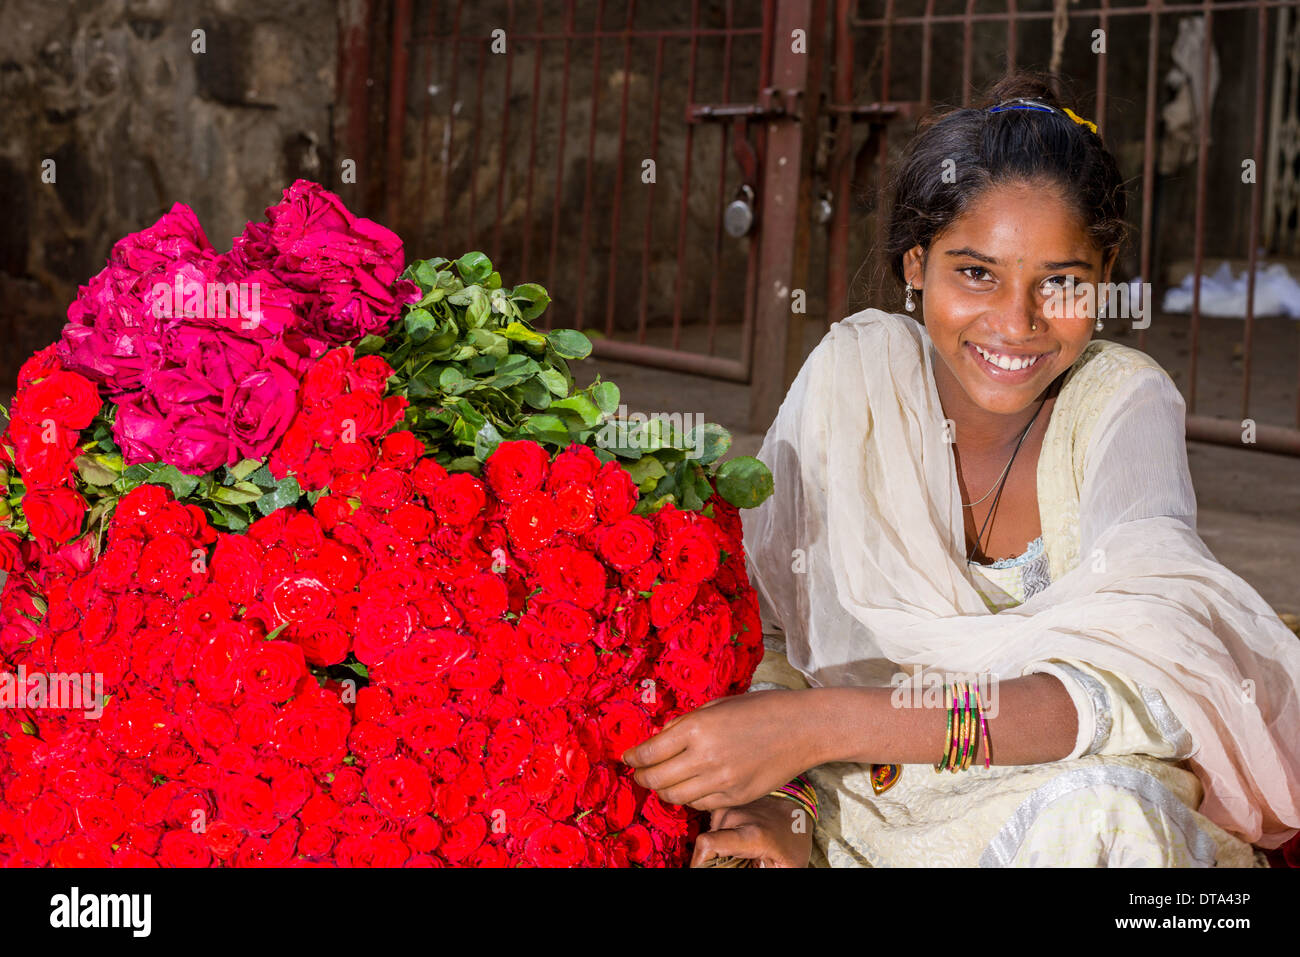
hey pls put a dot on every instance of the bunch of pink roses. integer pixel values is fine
(203, 351)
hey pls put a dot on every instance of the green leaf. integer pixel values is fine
(535, 394)
(545, 428)
(554, 380)
(244, 469)
(235, 495)
(535, 297)
(486, 441)
(283, 495)
(474, 268)
(169, 475)
(745, 482)
(420, 324)
(519, 332)
(569, 343)
(606, 397)
(425, 272)
(369, 346)
(262, 478)
(708, 443)
(584, 407)
(93, 473)
(646, 472)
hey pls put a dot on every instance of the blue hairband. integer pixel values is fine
(1037, 106)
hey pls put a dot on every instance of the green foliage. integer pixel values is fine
(477, 372)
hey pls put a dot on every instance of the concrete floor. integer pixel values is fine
(1248, 501)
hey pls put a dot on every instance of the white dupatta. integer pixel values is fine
(860, 555)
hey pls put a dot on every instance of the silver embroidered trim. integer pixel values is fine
(1036, 576)
(1096, 691)
(1171, 729)
(1004, 847)
(767, 686)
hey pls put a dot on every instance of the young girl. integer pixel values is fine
(982, 554)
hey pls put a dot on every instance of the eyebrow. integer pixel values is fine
(967, 252)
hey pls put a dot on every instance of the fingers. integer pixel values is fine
(746, 841)
(668, 743)
(670, 773)
(692, 791)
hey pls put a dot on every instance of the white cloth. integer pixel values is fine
(860, 554)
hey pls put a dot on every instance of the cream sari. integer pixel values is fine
(860, 558)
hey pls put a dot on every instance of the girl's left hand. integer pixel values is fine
(729, 752)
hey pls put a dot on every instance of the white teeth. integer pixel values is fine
(1007, 362)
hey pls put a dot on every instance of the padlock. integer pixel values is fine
(739, 217)
(822, 209)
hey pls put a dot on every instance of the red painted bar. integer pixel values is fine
(506, 152)
(616, 212)
(584, 244)
(686, 184)
(532, 146)
(644, 302)
(723, 159)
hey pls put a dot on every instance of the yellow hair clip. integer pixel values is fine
(1079, 119)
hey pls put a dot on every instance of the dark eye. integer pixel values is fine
(1062, 282)
(967, 270)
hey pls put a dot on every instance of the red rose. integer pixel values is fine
(386, 488)
(623, 725)
(272, 669)
(323, 642)
(184, 848)
(628, 542)
(668, 601)
(459, 499)
(399, 787)
(537, 683)
(576, 505)
(246, 802)
(616, 493)
(572, 574)
(301, 598)
(400, 450)
(69, 399)
(516, 468)
(687, 674)
(481, 597)
(532, 522)
(567, 622)
(556, 845)
(54, 515)
(575, 465)
(691, 556)
(462, 838)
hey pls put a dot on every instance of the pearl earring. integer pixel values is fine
(909, 304)
(1100, 325)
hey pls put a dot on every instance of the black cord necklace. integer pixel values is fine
(1005, 474)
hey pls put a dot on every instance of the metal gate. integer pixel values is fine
(641, 162)
(603, 149)
(897, 38)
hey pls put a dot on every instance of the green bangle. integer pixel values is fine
(968, 719)
(947, 735)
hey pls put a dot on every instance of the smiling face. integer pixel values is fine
(989, 278)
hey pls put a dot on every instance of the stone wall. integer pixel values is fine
(135, 120)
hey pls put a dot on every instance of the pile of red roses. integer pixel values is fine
(516, 636)
(393, 665)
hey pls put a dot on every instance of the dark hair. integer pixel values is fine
(989, 148)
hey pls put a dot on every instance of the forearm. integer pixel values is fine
(1035, 723)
